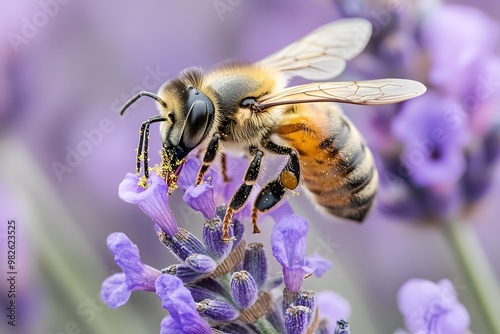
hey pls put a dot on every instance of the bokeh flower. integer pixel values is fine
(433, 141)
(332, 308)
(432, 308)
(436, 154)
(428, 146)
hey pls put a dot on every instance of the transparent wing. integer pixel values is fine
(322, 54)
(382, 91)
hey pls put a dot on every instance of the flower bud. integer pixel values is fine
(183, 244)
(201, 263)
(238, 227)
(255, 262)
(217, 310)
(342, 327)
(184, 272)
(296, 319)
(208, 288)
(212, 236)
(306, 298)
(243, 289)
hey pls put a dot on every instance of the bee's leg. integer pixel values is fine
(241, 196)
(144, 142)
(223, 163)
(275, 190)
(209, 157)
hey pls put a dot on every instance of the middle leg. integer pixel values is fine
(241, 196)
(274, 191)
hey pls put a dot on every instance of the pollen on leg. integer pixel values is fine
(289, 180)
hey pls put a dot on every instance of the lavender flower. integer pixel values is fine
(216, 285)
(289, 248)
(429, 307)
(152, 200)
(117, 288)
(445, 36)
(177, 300)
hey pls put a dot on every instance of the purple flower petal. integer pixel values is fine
(177, 300)
(318, 264)
(152, 200)
(288, 244)
(427, 306)
(114, 291)
(190, 171)
(117, 288)
(201, 198)
(288, 241)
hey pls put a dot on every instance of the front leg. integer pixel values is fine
(143, 148)
(275, 190)
(210, 154)
(241, 196)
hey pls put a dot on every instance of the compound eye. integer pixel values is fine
(196, 124)
(248, 102)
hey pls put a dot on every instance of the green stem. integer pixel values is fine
(474, 263)
(265, 327)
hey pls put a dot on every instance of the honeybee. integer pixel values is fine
(247, 106)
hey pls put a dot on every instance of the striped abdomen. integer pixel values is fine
(336, 166)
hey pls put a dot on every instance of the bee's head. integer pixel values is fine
(186, 117)
(189, 117)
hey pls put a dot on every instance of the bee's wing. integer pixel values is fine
(381, 91)
(322, 54)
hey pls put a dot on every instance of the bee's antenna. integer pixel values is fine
(140, 94)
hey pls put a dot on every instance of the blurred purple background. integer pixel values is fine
(64, 149)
